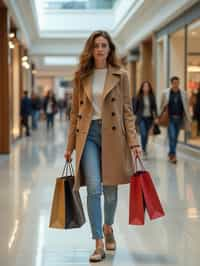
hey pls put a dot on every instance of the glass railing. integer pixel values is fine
(79, 4)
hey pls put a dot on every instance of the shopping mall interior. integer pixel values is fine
(40, 46)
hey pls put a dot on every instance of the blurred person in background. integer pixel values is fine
(50, 108)
(65, 103)
(176, 102)
(36, 106)
(197, 110)
(146, 113)
(25, 112)
(69, 104)
(61, 107)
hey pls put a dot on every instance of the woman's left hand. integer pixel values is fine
(137, 152)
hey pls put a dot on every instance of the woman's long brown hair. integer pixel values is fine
(86, 64)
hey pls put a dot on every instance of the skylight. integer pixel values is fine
(78, 4)
(60, 61)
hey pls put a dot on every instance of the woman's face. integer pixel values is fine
(146, 88)
(101, 49)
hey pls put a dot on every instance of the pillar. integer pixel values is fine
(4, 85)
(146, 67)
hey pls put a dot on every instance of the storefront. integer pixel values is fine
(15, 77)
(178, 54)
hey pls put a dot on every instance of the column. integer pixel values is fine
(16, 91)
(146, 62)
(21, 83)
(132, 77)
(4, 85)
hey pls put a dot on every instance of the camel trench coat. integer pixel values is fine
(118, 127)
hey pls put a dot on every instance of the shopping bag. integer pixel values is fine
(136, 201)
(67, 210)
(164, 117)
(151, 198)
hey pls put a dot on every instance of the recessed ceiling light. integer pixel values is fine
(11, 35)
(60, 61)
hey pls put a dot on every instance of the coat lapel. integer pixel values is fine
(87, 85)
(112, 78)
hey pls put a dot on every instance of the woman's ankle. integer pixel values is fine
(107, 228)
(99, 243)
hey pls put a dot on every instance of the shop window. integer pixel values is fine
(193, 80)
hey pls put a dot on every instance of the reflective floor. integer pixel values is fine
(26, 187)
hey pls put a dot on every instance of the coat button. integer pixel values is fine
(81, 102)
(113, 128)
(113, 114)
(77, 130)
(113, 99)
(79, 116)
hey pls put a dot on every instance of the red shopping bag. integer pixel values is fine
(136, 201)
(152, 201)
(143, 195)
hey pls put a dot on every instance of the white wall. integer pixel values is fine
(194, 45)
(44, 83)
(16, 93)
(161, 68)
(177, 55)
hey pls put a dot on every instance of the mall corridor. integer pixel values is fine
(26, 187)
(98, 63)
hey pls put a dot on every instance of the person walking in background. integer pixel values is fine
(61, 107)
(176, 102)
(50, 108)
(25, 112)
(36, 106)
(146, 112)
(69, 104)
(197, 110)
(102, 132)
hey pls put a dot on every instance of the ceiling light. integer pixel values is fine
(34, 71)
(60, 61)
(12, 35)
(26, 65)
(24, 58)
(11, 45)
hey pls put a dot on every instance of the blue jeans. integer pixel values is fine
(145, 124)
(173, 132)
(35, 119)
(50, 120)
(91, 167)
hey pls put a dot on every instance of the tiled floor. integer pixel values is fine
(27, 180)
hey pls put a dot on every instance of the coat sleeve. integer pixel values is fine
(162, 105)
(129, 118)
(73, 121)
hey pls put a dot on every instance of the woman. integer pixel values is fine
(146, 112)
(50, 108)
(102, 131)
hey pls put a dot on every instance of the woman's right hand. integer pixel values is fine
(67, 156)
(156, 121)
